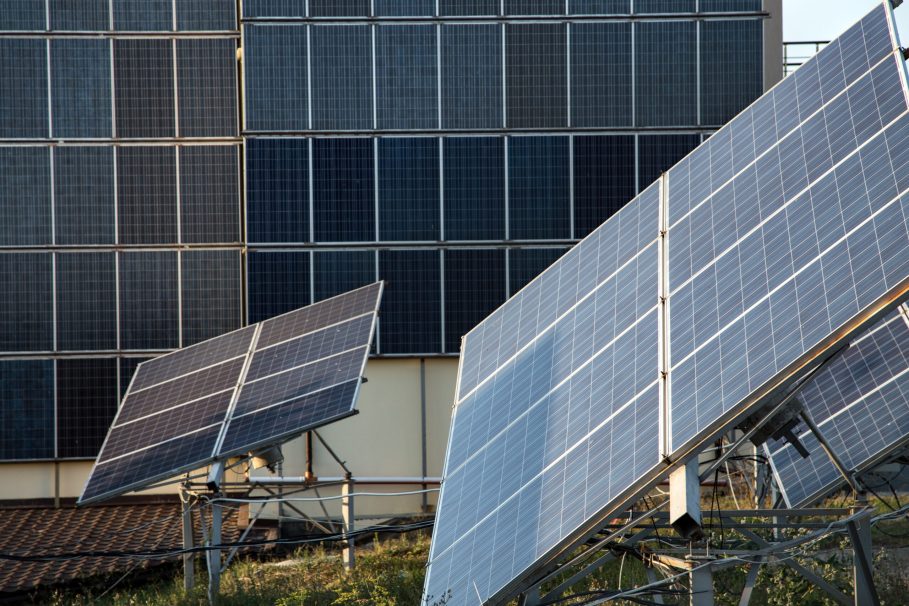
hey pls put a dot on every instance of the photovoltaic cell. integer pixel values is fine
(189, 408)
(860, 401)
(787, 229)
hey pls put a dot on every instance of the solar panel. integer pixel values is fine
(780, 237)
(260, 385)
(860, 402)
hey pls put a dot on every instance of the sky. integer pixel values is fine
(826, 19)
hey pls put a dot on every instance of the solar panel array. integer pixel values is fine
(256, 386)
(860, 402)
(784, 232)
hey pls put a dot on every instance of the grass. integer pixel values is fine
(390, 572)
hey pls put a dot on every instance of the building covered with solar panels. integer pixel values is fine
(175, 169)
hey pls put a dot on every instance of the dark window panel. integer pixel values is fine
(666, 91)
(211, 293)
(719, 6)
(25, 196)
(84, 195)
(601, 74)
(128, 367)
(474, 181)
(339, 8)
(405, 8)
(410, 318)
(471, 76)
(475, 285)
(277, 190)
(603, 179)
(207, 82)
(26, 307)
(278, 282)
(409, 189)
(341, 77)
(86, 404)
(209, 194)
(407, 82)
(86, 301)
(534, 7)
(26, 409)
(23, 96)
(81, 88)
(539, 188)
(275, 63)
(147, 195)
(468, 8)
(731, 68)
(599, 7)
(525, 264)
(664, 6)
(536, 74)
(148, 300)
(659, 153)
(273, 8)
(20, 15)
(143, 15)
(206, 15)
(343, 190)
(79, 15)
(144, 88)
(337, 272)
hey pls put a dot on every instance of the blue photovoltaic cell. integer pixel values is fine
(143, 15)
(786, 227)
(409, 189)
(471, 62)
(26, 307)
(406, 78)
(207, 87)
(338, 271)
(528, 403)
(342, 62)
(304, 371)
(206, 15)
(84, 15)
(26, 409)
(84, 195)
(276, 283)
(25, 193)
(23, 96)
(275, 69)
(22, 15)
(802, 242)
(601, 79)
(474, 185)
(539, 188)
(860, 402)
(277, 190)
(81, 88)
(344, 202)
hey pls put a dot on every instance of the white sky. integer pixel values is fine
(826, 19)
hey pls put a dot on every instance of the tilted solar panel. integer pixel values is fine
(860, 402)
(257, 386)
(783, 235)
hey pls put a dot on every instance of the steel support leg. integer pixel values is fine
(865, 592)
(347, 515)
(189, 573)
(750, 580)
(214, 555)
(701, 584)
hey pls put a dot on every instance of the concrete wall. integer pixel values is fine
(773, 43)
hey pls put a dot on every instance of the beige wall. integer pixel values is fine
(384, 439)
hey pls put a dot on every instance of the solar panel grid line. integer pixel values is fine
(552, 464)
(184, 375)
(542, 332)
(236, 395)
(312, 332)
(554, 388)
(765, 99)
(793, 199)
(134, 420)
(842, 239)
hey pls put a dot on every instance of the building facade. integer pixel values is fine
(173, 169)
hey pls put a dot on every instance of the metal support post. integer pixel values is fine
(531, 597)
(651, 580)
(189, 573)
(701, 583)
(214, 555)
(750, 580)
(347, 516)
(860, 534)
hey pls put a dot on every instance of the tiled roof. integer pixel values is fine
(44, 530)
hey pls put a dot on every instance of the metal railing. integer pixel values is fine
(796, 53)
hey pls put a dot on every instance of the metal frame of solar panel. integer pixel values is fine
(860, 403)
(254, 387)
(777, 240)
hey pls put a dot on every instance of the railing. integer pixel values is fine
(796, 53)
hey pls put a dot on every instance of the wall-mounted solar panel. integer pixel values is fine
(860, 402)
(781, 237)
(254, 387)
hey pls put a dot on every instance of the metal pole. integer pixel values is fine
(860, 534)
(701, 584)
(347, 516)
(189, 576)
(214, 555)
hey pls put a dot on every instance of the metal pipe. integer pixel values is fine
(357, 479)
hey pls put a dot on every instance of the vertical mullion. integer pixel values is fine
(375, 184)
(439, 67)
(571, 187)
(442, 189)
(375, 111)
(568, 71)
(507, 189)
(442, 297)
(179, 298)
(311, 186)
